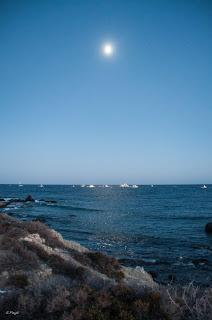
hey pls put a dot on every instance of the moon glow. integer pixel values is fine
(107, 49)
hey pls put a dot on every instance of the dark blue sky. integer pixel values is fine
(70, 115)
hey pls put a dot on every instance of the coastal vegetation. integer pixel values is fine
(43, 276)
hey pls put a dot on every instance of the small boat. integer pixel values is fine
(106, 186)
(152, 185)
(83, 186)
(134, 186)
(90, 186)
(73, 186)
(124, 185)
(41, 186)
(20, 184)
(204, 187)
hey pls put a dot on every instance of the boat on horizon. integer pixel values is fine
(204, 187)
(124, 185)
(90, 186)
(134, 186)
(41, 185)
(20, 184)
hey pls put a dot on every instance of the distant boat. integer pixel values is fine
(73, 186)
(152, 185)
(106, 186)
(124, 185)
(83, 186)
(20, 184)
(204, 187)
(41, 186)
(134, 186)
(90, 186)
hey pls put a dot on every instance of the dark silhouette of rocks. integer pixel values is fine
(4, 203)
(29, 198)
(208, 227)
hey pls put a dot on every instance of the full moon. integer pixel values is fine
(108, 49)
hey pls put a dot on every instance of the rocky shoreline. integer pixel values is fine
(5, 202)
(43, 276)
(162, 270)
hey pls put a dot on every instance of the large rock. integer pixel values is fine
(208, 227)
(29, 198)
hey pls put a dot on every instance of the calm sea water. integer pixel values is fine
(160, 228)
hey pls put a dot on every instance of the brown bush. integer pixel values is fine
(18, 280)
(60, 265)
(4, 226)
(38, 250)
(123, 293)
(10, 261)
(105, 264)
(29, 258)
(59, 301)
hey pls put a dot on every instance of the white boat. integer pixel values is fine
(90, 186)
(134, 186)
(83, 186)
(41, 186)
(73, 186)
(124, 185)
(152, 185)
(106, 186)
(204, 187)
(20, 184)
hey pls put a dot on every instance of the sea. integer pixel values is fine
(160, 228)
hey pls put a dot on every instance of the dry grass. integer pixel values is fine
(105, 264)
(188, 302)
(61, 266)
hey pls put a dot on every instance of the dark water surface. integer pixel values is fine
(160, 227)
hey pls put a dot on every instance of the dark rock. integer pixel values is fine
(29, 198)
(200, 261)
(208, 227)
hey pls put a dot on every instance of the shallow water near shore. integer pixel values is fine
(160, 227)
